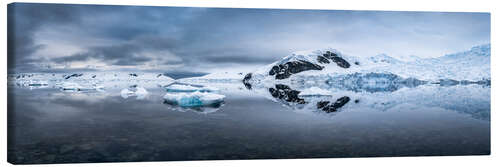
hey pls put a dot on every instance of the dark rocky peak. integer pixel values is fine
(283, 71)
(334, 58)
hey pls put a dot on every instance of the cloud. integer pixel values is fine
(202, 39)
(22, 22)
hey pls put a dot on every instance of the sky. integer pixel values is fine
(64, 37)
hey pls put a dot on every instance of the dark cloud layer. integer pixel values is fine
(215, 37)
(22, 22)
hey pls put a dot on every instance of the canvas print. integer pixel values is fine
(104, 83)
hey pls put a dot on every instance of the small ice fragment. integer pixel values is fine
(70, 86)
(37, 83)
(139, 92)
(74, 87)
(194, 99)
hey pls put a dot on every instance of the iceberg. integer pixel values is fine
(87, 81)
(134, 90)
(38, 83)
(194, 99)
(75, 87)
(32, 84)
(70, 86)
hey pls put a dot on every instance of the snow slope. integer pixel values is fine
(471, 65)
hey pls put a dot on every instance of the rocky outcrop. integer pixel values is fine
(335, 58)
(246, 81)
(322, 60)
(283, 71)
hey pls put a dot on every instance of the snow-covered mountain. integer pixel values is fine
(472, 65)
(326, 81)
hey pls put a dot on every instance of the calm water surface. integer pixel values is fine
(50, 126)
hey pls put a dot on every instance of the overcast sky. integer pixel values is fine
(89, 37)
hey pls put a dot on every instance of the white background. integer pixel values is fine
(393, 5)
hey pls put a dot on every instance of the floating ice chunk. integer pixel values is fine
(38, 83)
(139, 92)
(31, 84)
(70, 86)
(75, 87)
(178, 87)
(98, 87)
(194, 99)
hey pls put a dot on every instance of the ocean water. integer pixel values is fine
(47, 125)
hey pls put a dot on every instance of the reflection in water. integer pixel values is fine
(287, 95)
(369, 119)
(197, 109)
(380, 92)
(284, 92)
(372, 82)
(332, 107)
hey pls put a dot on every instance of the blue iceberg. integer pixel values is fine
(194, 99)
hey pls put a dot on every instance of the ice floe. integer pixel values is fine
(138, 92)
(75, 87)
(194, 99)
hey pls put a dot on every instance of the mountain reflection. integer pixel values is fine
(470, 99)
